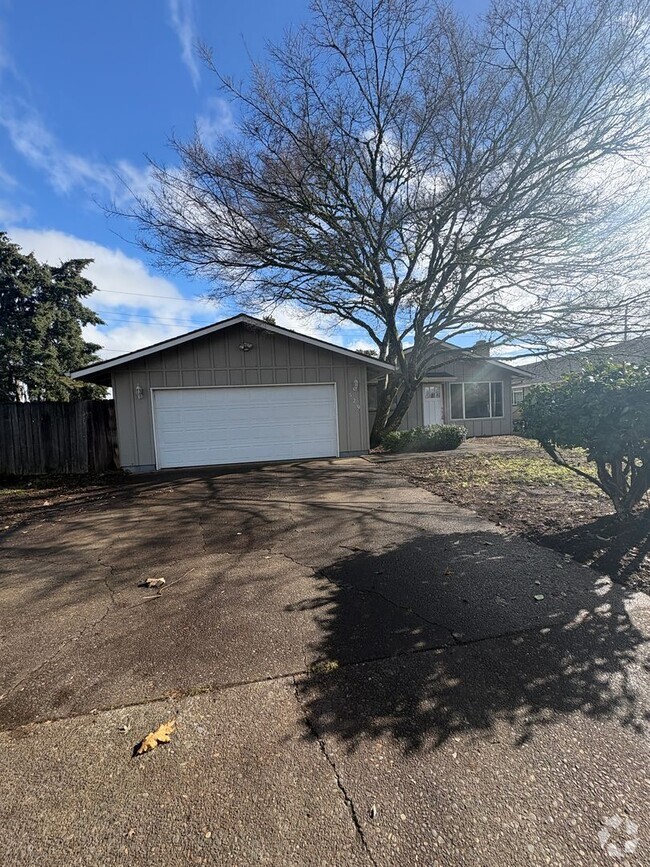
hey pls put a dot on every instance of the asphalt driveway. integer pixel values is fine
(360, 673)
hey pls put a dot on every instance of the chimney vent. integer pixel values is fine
(482, 348)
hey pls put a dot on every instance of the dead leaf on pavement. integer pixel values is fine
(162, 735)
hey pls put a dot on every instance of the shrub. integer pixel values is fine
(435, 438)
(604, 409)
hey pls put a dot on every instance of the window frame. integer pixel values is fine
(489, 383)
(373, 393)
(519, 389)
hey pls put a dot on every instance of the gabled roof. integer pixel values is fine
(241, 318)
(466, 354)
(636, 351)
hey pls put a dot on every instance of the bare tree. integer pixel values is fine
(418, 175)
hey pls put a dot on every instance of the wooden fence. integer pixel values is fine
(43, 437)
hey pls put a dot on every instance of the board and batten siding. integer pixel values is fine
(217, 360)
(480, 370)
(463, 370)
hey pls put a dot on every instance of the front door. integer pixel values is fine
(432, 404)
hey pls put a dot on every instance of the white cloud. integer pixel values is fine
(296, 319)
(216, 120)
(11, 213)
(327, 328)
(127, 338)
(7, 180)
(139, 307)
(182, 18)
(65, 170)
(516, 353)
(362, 345)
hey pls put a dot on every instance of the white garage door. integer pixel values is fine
(207, 426)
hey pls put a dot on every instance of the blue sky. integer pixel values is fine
(86, 90)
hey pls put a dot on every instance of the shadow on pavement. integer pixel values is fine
(585, 657)
(618, 549)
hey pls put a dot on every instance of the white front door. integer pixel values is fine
(432, 404)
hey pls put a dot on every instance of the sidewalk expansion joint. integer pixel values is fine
(177, 695)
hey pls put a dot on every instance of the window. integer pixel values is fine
(471, 400)
(372, 397)
(457, 400)
(496, 398)
(517, 396)
(477, 399)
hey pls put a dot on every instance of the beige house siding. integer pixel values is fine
(463, 370)
(480, 371)
(217, 360)
(415, 413)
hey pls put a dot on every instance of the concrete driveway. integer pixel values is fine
(360, 673)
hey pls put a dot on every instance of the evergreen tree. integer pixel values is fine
(41, 320)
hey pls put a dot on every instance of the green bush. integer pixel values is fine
(605, 410)
(435, 438)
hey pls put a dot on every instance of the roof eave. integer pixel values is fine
(241, 318)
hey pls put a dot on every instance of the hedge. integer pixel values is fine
(434, 438)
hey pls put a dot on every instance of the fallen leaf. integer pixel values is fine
(162, 735)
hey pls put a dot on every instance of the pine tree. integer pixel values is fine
(41, 320)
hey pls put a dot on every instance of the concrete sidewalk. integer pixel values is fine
(360, 673)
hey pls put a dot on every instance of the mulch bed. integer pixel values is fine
(515, 484)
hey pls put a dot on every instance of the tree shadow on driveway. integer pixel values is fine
(619, 549)
(509, 657)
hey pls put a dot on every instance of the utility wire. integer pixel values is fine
(134, 317)
(148, 295)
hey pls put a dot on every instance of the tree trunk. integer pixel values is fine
(385, 399)
(389, 417)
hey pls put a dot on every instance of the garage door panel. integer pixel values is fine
(209, 426)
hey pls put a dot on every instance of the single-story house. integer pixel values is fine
(245, 390)
(461, 386)
(552, 370)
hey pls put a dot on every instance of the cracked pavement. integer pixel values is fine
(360, 674)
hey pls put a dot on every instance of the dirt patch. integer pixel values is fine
(515, 484)
(24, 499)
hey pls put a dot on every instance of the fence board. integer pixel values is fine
(43, 437)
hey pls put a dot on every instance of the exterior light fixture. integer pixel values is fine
(139, 392)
